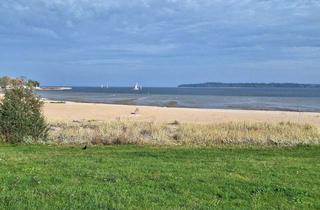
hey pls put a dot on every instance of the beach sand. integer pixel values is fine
(71, 111)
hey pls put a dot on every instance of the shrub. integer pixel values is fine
(21, 119)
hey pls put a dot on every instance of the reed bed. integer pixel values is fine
(151, 133)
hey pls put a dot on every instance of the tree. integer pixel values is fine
(4, 82)
(16, 82)
(21, 119)
(32, 84)
(19, 81)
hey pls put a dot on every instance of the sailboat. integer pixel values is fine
(136, 87)
(107, 86)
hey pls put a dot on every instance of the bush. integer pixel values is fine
(21, 119)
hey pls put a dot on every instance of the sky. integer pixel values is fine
(160, 42)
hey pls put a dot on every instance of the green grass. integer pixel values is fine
(145, 177)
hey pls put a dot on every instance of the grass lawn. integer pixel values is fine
(144, 177)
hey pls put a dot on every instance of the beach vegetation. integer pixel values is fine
(32, 83)
(21, 118)
(192, 134)
(4, 82)
(10, 82)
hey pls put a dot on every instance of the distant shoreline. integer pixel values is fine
(45, 89)
(248, 85)
(53, 88)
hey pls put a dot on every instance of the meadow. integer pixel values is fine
(149, 177)
(147, 165)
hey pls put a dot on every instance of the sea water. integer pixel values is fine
(290, 99)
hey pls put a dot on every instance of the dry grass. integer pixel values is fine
(131, 132)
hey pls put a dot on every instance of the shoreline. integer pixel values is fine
(127, 102)
(170, 105)
(68, 111)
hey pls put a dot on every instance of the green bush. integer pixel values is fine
(21, 119)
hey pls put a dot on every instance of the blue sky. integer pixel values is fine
(160, 42)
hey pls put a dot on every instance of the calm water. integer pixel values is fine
(293, 99)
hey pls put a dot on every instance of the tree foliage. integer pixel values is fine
(6, 82)
(21, 118)
(32, 83)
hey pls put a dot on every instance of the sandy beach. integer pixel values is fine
(71, 111)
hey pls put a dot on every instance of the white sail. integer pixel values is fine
(136, 87)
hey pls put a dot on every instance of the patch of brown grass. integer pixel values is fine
(131, 132)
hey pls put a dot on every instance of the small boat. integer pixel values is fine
(136, 87)
(107, 86)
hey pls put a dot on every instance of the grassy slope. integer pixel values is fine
(118, 177)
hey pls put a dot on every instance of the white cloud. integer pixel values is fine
(141, 48)
(107, 61)
(44, 31)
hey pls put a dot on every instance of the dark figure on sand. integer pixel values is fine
(136, 111)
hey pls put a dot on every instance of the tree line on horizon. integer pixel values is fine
(281, 85)
(9, 82)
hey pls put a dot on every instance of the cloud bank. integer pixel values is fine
(175, 41)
